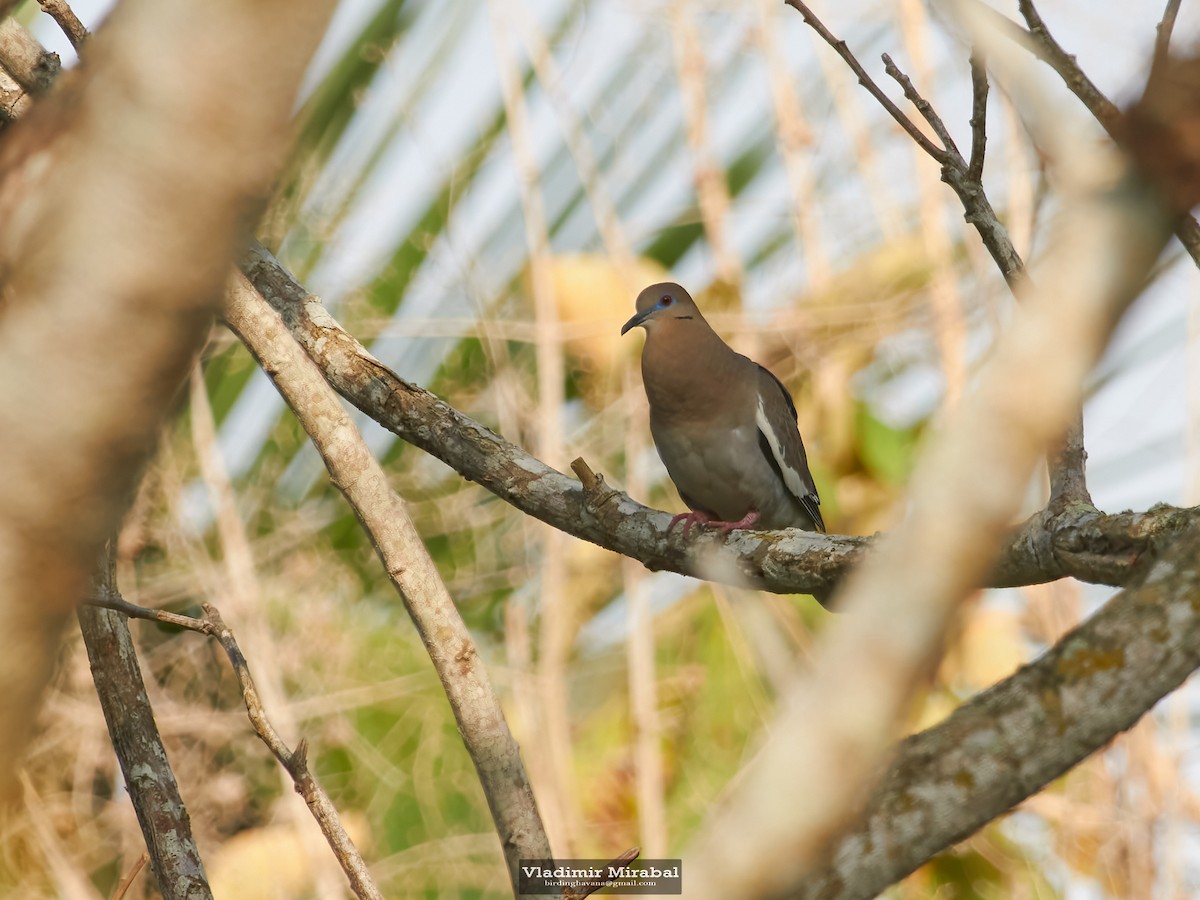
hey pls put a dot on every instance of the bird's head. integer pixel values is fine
(665, 301)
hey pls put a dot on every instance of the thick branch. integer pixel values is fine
(1013, 739)
(295, 762)
(1085, 545)
(151, 783)
(25, 59)
(385, 518)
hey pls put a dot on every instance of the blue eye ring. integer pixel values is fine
(665, 300)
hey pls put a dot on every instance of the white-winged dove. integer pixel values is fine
(724, 426)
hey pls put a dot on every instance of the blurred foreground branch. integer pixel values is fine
(382, 513)
(1039, 41)
(124, 192)
(294, 761)
(1014, 738)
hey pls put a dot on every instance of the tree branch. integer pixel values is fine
(25, 59)
(1083, 544)
(294, 761)
(1041, 43)
(383, 515)
(840, 47)
(130, 187)
(838, 722)
(1010, 741)
(148, 777)
(979, 96)
(60, 11)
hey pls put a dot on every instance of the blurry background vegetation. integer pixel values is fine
(478, 191)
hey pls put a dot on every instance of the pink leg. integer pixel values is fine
(689, 518)
(745, 522)
(704, 520)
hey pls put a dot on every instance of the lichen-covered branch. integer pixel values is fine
(131, 727)
(295, 762)
(1010, 741)
(384, 516)
(1084, 544)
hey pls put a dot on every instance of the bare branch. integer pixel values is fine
(979, 96)
(138, 745)
(938, 153)
(1041, 43)
(383, 514)
(1086, 545)
(1010, 741)
(1068, 478)
(1162, 36)
(955, 170)
(60, 11)
(1047, 49)
(25, 59)
(294, 761)
(923, 107)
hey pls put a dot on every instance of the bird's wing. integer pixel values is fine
(779, 438)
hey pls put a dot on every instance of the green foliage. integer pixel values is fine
(887, 453)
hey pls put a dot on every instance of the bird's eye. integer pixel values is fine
(666, 300)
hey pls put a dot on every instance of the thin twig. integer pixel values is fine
(62, 13)
(943, 290)
(294, 761)
(1066, 464)
(979, 97)
(126, 881)
(1048, 49)
(1041, 43)
(923, 107)
(938, 153)
(1162, 36)
(623, 860)
(955, 170)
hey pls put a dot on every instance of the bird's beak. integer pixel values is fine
(637, 320)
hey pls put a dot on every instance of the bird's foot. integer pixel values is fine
(689, 518)
(704, 520)
(744, 522)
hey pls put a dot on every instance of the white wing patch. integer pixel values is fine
(791, 477)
